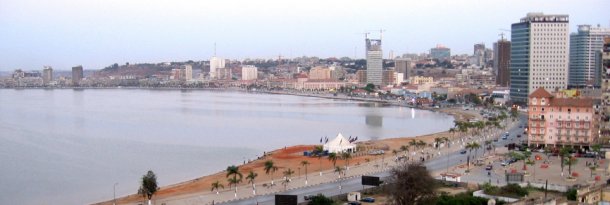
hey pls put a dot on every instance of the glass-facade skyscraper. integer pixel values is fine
(374, 62)
(539, 55)
(583, 46)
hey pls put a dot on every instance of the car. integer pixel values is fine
(496, 140)
(504, 137)
(489, 167)
(353, 203)
(308, 197)
(368, 199)
(463, 152)
(518, 136)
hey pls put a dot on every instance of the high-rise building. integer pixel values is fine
(539, 55)
(604, 128)
(47, 75)
(403, 66)
(583, 46)
(479, 54)
(249, 72)
(502, 62)
(441, 53)
(374, 61)
(188, 72)
(77, 75)
(215, 64)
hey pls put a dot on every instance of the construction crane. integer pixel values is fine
(502, 33)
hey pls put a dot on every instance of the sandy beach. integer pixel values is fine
(291, 157)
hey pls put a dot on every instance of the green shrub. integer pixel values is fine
(571, 194)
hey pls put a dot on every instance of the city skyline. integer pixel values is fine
(65, 33)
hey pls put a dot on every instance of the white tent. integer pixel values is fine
(339, 144)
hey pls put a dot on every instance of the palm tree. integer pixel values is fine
(405, 148)
(333, 158)
(437, 141)
(487, 145)
(339, 170)
(421, 144)
(597, 149)
(395, 154)
(235, 177)
(148, 185)
(305, 163)
(216, 186)
(319, 150)
(270, 168)
(470, 146)
(563, 153)
(251, 176)
(346, 156)
(287, 179)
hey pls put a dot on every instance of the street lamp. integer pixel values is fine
(114, 193)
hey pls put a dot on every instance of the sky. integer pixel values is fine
(98, 33)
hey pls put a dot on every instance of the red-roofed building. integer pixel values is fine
(554, 121)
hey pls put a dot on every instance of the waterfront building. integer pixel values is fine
(188, 72)
(441, 53)
(502, 62)
(176, 74)
(403, 65)
(604, 54)
(320, 73)
(388, 77)
(77, 75)
(374, 62)
(215, 64)
(249, 72)
(361, 76)
(583, 46)
(556, 120)
(47, 75)
(539, 55)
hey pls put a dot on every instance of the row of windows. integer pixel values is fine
(558, 58)
(549, 65)
(547, 50)
(543, 101)
(549, 43)
(556, 25)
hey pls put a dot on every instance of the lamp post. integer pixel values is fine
(114, 193)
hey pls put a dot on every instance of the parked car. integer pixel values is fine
(463, 152)
(504, 137)
(308, 197)
(353, 203)
(489, 167)
(368, 199)
(518, 136)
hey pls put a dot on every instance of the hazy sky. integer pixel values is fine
(97, 33)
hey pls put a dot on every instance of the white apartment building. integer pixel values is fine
(249, 72)
(188, 72)
(215, 64)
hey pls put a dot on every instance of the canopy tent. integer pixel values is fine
(339, 144)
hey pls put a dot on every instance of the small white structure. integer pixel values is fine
(340, 144)
(353, 196)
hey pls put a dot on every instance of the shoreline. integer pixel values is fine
(287, 157)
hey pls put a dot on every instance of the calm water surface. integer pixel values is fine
(68, 146)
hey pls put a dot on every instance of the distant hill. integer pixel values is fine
(142, 70)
